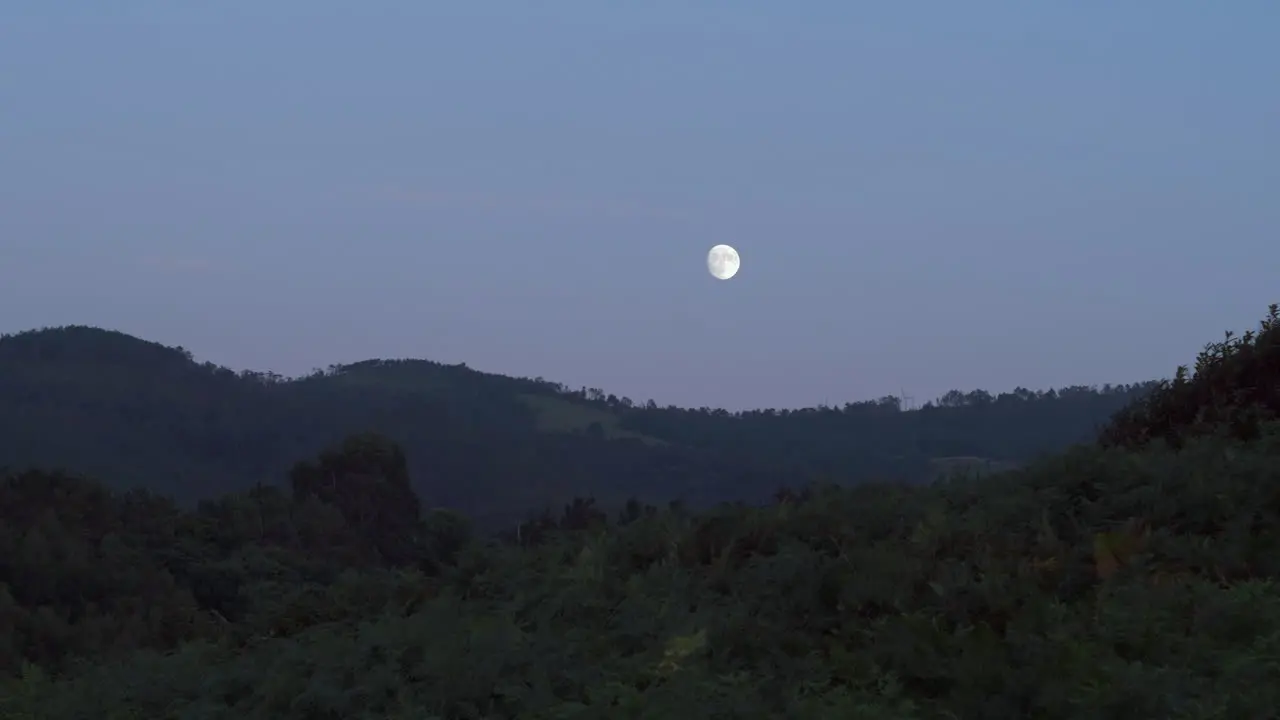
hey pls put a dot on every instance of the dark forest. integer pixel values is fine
(406, 539)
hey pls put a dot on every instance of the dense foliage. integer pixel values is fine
(135, 414)
(1136, 577)
(1232, 392)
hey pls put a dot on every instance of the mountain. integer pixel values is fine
(135, 413)
(1134, 576)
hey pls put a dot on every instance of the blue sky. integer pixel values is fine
(926, 196)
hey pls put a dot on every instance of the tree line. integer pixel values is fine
(1131, 576)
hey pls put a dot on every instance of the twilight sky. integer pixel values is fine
(926, 196)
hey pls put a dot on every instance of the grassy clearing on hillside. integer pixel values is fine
(947, 467)
(557, 415)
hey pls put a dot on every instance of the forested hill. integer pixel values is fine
(138, 414)
(1133, 577)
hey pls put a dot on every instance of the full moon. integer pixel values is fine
(723, 262)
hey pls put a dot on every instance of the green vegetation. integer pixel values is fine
(1132, 577)
(561, 415)
(947, 467)
(135, 414)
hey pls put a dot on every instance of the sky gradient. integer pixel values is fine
(926, 196)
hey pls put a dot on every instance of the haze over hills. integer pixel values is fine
(135, 413)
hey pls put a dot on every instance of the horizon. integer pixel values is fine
(908, 401)
(981, 196)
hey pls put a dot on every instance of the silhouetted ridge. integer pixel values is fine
(134, 413)
(81, 344)
(1234, 387)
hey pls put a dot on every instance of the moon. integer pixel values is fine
(723, 262)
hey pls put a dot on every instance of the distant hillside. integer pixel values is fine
(138, 414)
(1132, 577)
